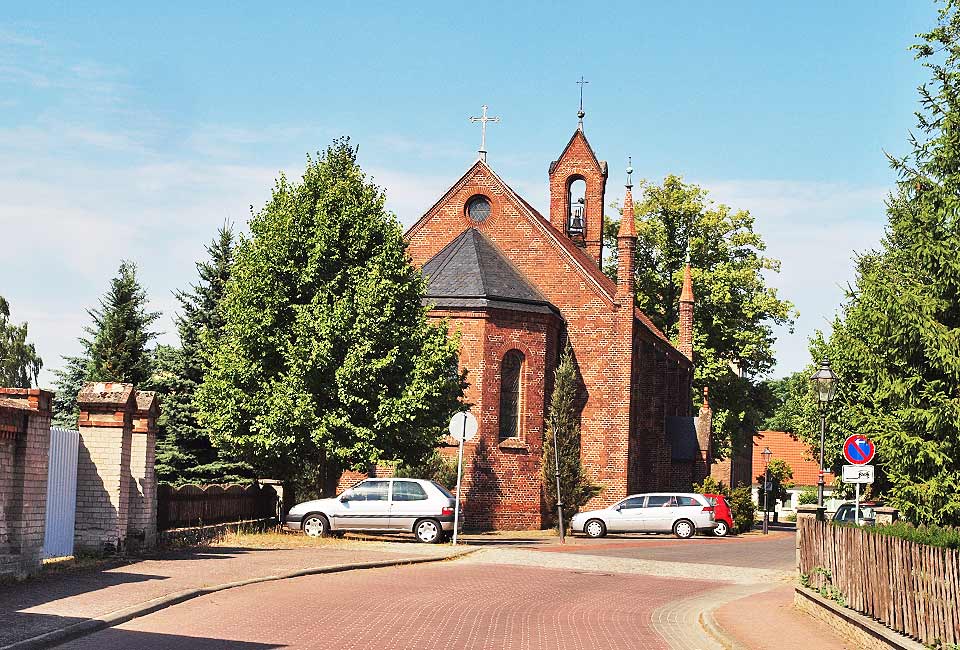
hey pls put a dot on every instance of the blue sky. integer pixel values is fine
(133, 133)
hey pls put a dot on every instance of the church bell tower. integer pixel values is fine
(578, 182)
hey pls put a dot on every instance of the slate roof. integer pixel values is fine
(471, 271)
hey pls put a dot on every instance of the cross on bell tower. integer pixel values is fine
(483, 119)
(580, 113)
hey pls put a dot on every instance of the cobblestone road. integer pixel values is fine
(450, 605)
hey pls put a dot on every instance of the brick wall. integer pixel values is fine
(24, 447)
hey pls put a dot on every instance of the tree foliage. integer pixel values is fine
(735, 311)
(435, 467)
(742, 508)
(120, 333)
(184, 451)
(327, 359)
(117, 347)
(19, 363)
(563, 424)
(781, 476)
(895, 345)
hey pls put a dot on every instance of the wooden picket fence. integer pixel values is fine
(201, 505)
(909, 587)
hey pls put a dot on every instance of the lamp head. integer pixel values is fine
(766, 453)
(825, 382)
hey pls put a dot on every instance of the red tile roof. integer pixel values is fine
(786, 447)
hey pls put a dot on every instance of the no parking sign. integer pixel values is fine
(858, 450)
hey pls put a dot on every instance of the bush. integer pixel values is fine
(434, 468)
(928, 535)
(742, 508)
(808, 496)
(711, 485)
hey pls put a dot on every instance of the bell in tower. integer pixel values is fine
(575, 224)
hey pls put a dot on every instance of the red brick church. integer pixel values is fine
(516, 285)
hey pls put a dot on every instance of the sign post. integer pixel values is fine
(858, 475)
(858, 450)
(463, 427)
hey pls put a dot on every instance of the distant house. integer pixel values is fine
(797, 455)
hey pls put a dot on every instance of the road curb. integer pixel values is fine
(717, 633)
(83, 628)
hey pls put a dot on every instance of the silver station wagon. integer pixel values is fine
(683, 514)
(412, 505)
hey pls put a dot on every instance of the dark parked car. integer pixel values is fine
(847, 514)
(722, 513)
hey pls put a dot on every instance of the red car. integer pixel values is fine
(721, 513)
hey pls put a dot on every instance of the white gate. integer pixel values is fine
(61, 493)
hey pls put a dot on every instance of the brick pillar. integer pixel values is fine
(685, 343)
(142, 517)
(24, 447)
(103, 465)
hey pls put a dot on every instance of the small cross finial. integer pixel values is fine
(629, 172)
(483, 119)
(580, 113)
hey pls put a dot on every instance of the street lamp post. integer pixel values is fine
(766, 453)
(825, 381)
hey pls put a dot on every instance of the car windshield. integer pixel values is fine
(848, 512)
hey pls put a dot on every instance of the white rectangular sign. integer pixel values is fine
(858, 474)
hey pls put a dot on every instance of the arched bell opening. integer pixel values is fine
(576, 212)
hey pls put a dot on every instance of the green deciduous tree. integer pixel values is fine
(735, 310)
(19, 362)
(563, 423)
(116, 349)
(327, 359)
(781, 476)
(896, 343)
(184, 451)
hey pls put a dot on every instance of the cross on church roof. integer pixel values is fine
(580, 113)
(483, 119)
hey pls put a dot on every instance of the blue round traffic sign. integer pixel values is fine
(858, 450)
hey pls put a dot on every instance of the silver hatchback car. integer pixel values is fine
(683, 514)
(412, 505)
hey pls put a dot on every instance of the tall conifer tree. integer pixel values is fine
(184, 451)
(116, 349)
(564, 425)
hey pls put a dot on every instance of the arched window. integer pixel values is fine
(510, 371)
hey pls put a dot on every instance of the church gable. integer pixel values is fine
(546, 258)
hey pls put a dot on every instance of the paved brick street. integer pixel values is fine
(60, 599)
(449, 605)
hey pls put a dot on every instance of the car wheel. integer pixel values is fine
(684, 529)
(428, 531)
(316, 525)
(722, 529)
(595, 528)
